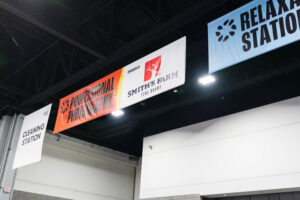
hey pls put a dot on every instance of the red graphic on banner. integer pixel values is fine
(152, 68)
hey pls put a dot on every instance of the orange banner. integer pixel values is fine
(95, 100)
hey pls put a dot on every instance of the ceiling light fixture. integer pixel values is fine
(118, 113)
(207, 80)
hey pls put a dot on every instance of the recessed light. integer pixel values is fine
(118, 113)
(206, 80)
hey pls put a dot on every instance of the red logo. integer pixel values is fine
(152, 68)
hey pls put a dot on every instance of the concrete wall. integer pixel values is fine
(77, 171)
(255, 151)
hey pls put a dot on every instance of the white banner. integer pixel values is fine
(155, 73)
(31, 139)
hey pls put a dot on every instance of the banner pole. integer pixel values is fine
(8, 174)
(7, 149)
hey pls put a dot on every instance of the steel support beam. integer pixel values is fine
(33, 33)
(167, 27)
(23, 16)
(144, 10)
(46, 28)
(114, 23)
(50, 64)
(161, 9)
(62, 60)
(8, 174)
(15, 91)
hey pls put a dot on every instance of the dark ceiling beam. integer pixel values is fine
(161, 10)
(50, 64)
(8, 96)
(70, 53)
(114, 24)
(48, 29)
(167, 27)
(62, 60)
(119, 36)
(11, 37)
(94, 14)
(28, 30)
(72, 60)
(36, 82)
(84, 21)
(15, 91)
(144, 10)
(35, 57)
(51, 76)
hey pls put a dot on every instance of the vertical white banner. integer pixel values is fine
(31, 138)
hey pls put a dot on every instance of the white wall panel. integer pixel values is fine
(74, 174)
(255, 150)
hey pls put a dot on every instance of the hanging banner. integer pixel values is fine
(256, 28)
(30, 144)
(155, 73)
(151, 75)
(93, 101)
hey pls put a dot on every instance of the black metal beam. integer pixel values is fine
(19, 69)
(52, 75)
(87, 19)
(10, 35)
(50, 64)
(120, 37)
(62, 60)
(10, 97)
(162, 30)
(29, 30)
(48, 29)
(72, 60)
(161, 10)
(144, 10)
(15, 91)
(114, 23)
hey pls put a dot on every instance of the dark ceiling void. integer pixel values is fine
(51, 48)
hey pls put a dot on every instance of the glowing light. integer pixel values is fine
(118, 113)
(207, 80)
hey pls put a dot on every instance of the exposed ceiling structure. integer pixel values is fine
(51, 48)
